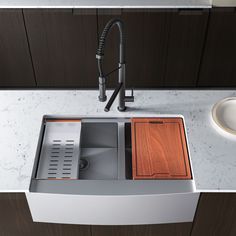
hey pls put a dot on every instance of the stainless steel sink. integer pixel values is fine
(102, 164)
(97, 187)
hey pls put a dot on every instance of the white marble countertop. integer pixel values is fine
(213, 154)
(224, 3)
(105, 3)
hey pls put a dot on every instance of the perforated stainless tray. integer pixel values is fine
(60, 151)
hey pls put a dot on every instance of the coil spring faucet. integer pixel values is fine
(121, 67)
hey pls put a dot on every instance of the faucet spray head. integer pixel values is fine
(102, 89)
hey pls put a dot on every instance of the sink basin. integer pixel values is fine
(105, 146)
(91, 149)
(99, 150)
(224, 115)
(91, 155)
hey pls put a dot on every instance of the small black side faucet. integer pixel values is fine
(121, 67)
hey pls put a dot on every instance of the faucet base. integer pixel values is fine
(102, 99)
(121, 109)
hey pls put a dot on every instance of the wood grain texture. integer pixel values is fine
(15, 63)
(185, 44)
(182, 229)
(218, 63)
(163, 49)
(63, 47)
(216, 215)
(15, 220)
(146, 34)
(159, 149)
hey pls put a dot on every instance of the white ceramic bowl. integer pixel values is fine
(224, 114)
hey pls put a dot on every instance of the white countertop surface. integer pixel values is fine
(105, 3)
(224, 3)
(213, 154)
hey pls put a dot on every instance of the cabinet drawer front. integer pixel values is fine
(159, 149)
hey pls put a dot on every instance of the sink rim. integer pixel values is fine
(121, 186)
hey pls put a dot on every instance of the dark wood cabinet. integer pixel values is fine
(185, 45)
(163, 49)
(218, 63)
(63, 45)
(216, 215)
(15, 220)
(146, 43)
(16, 68)
(180, 229)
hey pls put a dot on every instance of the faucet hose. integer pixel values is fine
(102, 40)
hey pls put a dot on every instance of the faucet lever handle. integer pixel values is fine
(132, 92)
(131, 97)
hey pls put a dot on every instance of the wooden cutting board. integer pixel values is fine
(159, 149)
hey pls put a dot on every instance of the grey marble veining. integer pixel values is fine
(213, 154)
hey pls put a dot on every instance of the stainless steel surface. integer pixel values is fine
(121, 151)
(113, 187)
(60, 151)
(106, 4)
(68, 145)
(106, 146)
(99, 134)
(102, 164)
(99, 147)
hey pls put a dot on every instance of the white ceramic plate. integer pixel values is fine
(224, 114)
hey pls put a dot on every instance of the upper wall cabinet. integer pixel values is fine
(163, 47)
(185, 44)
(63, 45)
(15, 63)
(219, 58)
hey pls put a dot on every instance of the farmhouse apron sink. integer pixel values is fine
(83, 175)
